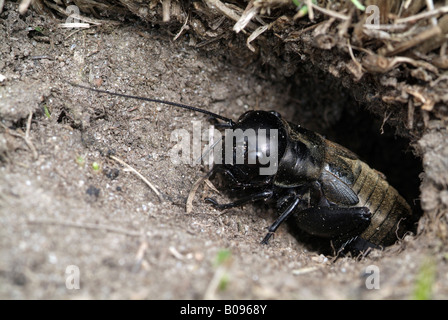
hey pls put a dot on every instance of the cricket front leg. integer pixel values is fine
(283, 217)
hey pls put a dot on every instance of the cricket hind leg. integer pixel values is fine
(334, 222)
(333, 231)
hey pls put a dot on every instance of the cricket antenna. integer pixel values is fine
(174, 104)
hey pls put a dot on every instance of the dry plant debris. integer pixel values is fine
(397, 42)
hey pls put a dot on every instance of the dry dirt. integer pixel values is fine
(57, 210)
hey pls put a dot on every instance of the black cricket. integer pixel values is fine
(325, 188)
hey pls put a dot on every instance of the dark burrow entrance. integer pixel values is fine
(319, 102)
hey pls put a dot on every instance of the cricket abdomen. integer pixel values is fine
(390, 212)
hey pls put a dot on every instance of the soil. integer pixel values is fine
(64, 202)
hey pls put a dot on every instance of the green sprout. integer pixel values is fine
(222, 257)
(222, 261)
(223, 282)
(303, 11)
(425, 281)
(95, 166)
(47, 112)
(80, 161)
(38, 29)
(359, 5)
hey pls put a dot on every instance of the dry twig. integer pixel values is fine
(423, 15)
(190, 198)
(184, 26)
(414, 41)
(247, 15)
(139, 256)
(309, 4)
(166, 5)
(24, 5)
(352, 55)
(229, 13)
(153, 188)
(25, 137)
(330, 13)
